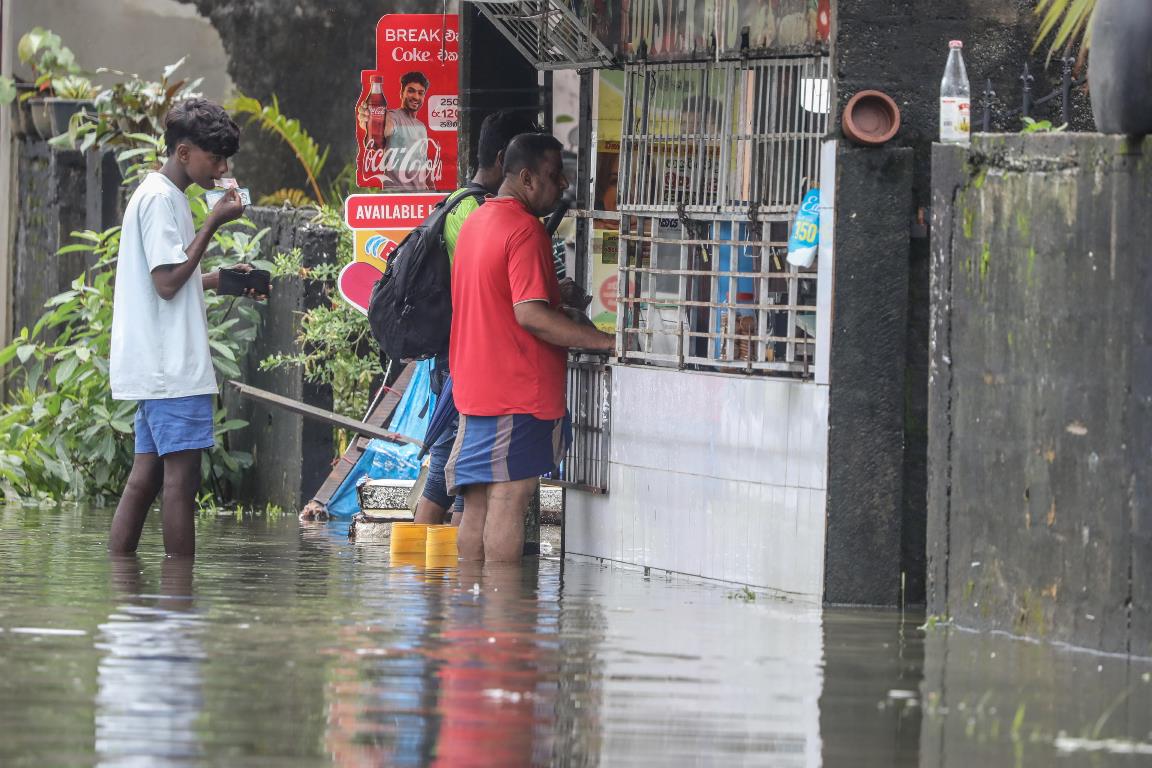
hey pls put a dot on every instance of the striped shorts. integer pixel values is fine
(500, 449)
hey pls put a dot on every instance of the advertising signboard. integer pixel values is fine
(409, 105)
(378, 224)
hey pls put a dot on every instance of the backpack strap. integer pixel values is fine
(473, 190)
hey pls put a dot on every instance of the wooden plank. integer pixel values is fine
(319, 414)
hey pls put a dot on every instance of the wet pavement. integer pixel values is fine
(286, 646)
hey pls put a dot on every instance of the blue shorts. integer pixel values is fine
(435, 487)
(174, 424)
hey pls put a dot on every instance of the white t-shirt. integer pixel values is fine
(159, 348)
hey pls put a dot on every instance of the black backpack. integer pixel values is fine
(410, 311)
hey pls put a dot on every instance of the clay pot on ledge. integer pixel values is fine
(870, 118)
(1120, 67)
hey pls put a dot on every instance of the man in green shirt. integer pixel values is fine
(496, 131)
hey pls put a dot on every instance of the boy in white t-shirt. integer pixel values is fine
(160, 355)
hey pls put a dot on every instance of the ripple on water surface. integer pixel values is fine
(287, 645)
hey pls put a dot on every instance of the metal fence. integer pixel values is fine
(715, 160)
(585, 467)
(1028, 100)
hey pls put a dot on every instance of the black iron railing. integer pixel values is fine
(1028, 101)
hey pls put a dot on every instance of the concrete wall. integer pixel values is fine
(901, 48)
(712, 475)
(141, 36)
(1041, 389)
(50, 207)
(867, 524)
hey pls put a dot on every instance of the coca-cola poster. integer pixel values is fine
(409, 105)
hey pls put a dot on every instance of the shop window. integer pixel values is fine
(714, 162)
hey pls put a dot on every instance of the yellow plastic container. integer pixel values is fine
(408, 538)
(408, 559)
(441, 541)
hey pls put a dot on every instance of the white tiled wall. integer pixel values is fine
(716, 476)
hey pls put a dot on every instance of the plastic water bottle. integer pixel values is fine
(955, 99)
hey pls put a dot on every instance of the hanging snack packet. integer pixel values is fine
(805, 238)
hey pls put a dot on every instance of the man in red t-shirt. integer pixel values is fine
(508, 352)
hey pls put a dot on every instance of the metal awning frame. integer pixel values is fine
(547, 33)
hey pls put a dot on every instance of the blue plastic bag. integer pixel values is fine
(805, 238)
(384, 460)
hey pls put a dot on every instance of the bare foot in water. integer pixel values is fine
(314, 510)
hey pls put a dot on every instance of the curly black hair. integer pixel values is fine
(414, 77)
(205, 124)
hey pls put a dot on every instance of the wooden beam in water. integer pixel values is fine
(319, 414)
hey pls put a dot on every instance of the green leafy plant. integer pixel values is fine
(64, 437)
(334, 343)
(1041, 126)
(44, 51)
(8, 90)
(129, 114)
(270, 119)
(1067, 23)
(73, 87)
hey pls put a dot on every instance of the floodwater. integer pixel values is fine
(288, 646)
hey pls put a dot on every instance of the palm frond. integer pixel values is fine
(271, 119)
(1066, 22)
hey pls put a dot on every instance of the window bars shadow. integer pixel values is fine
(715, 161)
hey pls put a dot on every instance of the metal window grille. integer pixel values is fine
(547, 33)
(585, 467)
(715, 161)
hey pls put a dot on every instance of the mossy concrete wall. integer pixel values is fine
(291, 455)
(50, 207)
(1040, 394)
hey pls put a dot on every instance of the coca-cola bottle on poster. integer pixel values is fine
(377, 111)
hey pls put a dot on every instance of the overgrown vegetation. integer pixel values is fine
(334, 344)
(270, 119)
(64, 437)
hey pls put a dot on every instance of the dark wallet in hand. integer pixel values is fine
(234, 282)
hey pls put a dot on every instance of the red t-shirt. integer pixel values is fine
(503, 258)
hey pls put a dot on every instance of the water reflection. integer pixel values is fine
(149, 696)
(290, 646)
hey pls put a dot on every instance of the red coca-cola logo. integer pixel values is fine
(411, 166)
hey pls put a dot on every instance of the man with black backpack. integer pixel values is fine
(495, 133)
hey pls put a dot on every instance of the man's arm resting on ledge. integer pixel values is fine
(554, 327)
